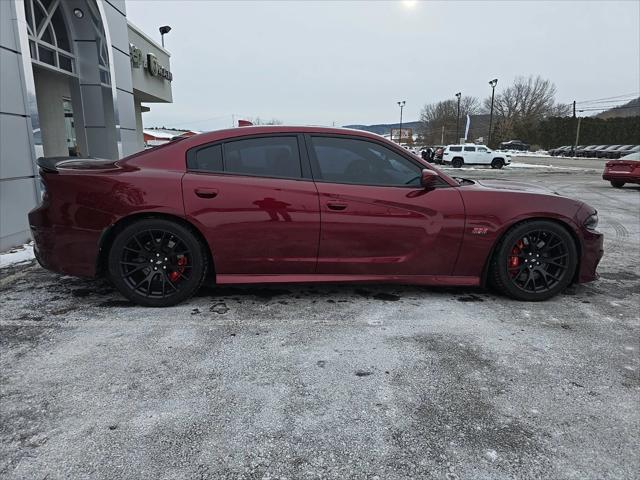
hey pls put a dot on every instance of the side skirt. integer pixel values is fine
(434, 280)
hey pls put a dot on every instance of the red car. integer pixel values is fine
(303, 204)
(625, 170)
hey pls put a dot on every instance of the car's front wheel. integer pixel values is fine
(157, 262)
(617, 184)
(457, 162)
(497, 163)
(534, 261)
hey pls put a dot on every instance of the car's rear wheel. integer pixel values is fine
(497, 163)
(535, 261)
(157, 262)
(617, 184)
(457, 162)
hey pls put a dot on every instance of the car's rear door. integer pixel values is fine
(376, 218)
(470, 155)
(256, 203)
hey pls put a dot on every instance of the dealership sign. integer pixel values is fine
(148, 62)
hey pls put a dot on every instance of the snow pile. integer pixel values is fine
(17, 255)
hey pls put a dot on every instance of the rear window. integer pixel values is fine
(455, 149)
(469, 149)
(268, 157)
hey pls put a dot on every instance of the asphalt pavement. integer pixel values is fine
(335, 381)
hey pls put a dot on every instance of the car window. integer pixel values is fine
(455, 149)
(482, 149)
(208, 159)
(267, 156)
(469, 149)
(345, 160)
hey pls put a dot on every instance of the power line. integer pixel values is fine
(619, 107)
(610, 98)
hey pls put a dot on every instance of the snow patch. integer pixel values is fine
(491, 455)
(17, 256)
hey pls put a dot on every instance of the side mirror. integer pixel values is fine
(428, 178)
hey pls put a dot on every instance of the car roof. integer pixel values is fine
(228, 133)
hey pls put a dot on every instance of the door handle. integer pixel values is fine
(336, 205)
(206, 192)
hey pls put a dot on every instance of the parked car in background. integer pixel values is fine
(247, 205)
(558, 150)
(471, 154)
(583, 152)
(602, 153)
(624, 150)
(594, 152)
(624, 170)
(518, 145)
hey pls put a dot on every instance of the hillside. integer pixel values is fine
(629, 109)
(385, 128)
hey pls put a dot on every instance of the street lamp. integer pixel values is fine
(401, 105)
(493, 84)
(164, 30)
(459, 94)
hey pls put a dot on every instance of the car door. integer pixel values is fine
(376, 219)
(483, 155)
(470, 155)
(256, 204)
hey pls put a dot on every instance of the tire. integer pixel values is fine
(497, 163)
(534, 261)
(617, 184)
(457, 162)
(177, 263)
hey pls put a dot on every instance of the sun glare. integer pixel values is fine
(409, 3)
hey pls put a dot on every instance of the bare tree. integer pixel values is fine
(435, 116)
(259, 121)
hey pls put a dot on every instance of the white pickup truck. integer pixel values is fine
(471, 154)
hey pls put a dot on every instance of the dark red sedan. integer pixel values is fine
(625, 170)
(303, 204)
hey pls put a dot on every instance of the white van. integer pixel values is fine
(471, 154)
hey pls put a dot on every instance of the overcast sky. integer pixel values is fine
(350, 62)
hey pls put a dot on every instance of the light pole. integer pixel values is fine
(459, 94)
(401, 105)
(493, 84)
(164, 30)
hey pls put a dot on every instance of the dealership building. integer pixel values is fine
(74, 75)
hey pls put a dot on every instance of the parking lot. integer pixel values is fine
(333, 381)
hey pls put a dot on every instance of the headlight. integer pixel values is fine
(591, 223)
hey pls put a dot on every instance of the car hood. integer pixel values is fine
(515, 186)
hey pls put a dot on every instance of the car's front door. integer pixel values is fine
(376, 219)
(483, 155)
(255, 204)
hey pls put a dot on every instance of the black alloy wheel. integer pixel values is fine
(157, 263)
(497, 163)
(535, 261)
(457, 162)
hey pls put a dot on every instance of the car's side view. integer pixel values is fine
(302, 204)
(471, 154)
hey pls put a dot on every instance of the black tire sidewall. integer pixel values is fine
(457, 163)
(497, 163)
(196, 250)
(617, 184)
(502, 278)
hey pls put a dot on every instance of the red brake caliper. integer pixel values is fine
(514, 260)
(176, 274)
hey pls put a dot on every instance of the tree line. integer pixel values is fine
(526, 110)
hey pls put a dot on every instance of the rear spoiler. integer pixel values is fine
(53, 164)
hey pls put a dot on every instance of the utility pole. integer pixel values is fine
(442, 136)
(574, 109)
(575, 146)
(459, 94)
